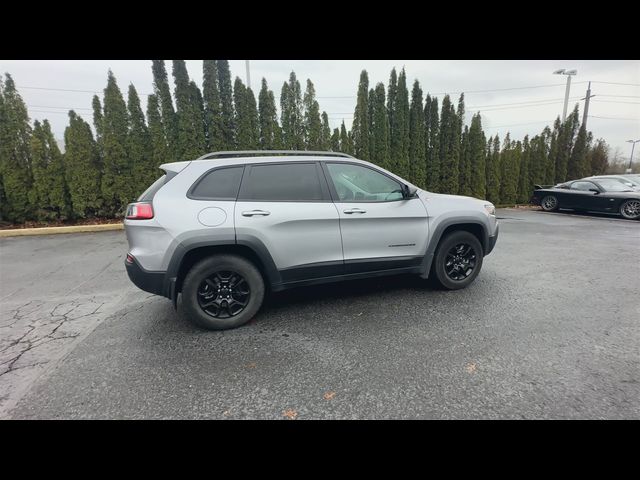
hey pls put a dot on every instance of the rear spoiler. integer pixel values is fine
(539, 187)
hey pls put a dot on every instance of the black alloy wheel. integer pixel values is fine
(223, 294)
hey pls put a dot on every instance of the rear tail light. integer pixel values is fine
(139, 211)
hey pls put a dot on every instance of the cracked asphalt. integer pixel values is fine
(550, 329)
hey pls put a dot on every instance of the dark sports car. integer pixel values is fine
(594, 195)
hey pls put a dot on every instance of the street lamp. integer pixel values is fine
(569, 74)
(633, 145)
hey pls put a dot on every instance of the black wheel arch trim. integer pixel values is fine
(486, 241)
(253, 243)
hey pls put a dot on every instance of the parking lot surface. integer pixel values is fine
(549, 329)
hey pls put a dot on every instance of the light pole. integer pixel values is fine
(569, 74)
(633, 145)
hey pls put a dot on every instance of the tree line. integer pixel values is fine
(415, 136)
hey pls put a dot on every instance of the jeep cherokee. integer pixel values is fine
(223, 229)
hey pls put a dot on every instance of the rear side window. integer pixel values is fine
(219, 184)
(297, 182)
(150, 192)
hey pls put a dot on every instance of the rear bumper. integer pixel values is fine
(492, 241)
(152, 282)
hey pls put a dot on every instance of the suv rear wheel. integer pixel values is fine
(222, 292)
(457, 261)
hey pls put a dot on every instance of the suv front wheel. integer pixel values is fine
(222, 292)
(457, 261)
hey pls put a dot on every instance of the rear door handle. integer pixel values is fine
(354, 210)
(252, 213)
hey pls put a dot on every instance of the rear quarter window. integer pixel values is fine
(150, 192)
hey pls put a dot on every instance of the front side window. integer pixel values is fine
(362, 184)
(583, 186)
(293, 182)
(219, 184)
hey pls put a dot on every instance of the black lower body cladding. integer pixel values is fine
(152, 282)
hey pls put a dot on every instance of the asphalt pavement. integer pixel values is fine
(549, 329)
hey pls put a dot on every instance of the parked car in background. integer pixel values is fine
(593, 195)
(629, 181)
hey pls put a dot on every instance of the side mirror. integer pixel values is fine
(408, 192)
(594, 190)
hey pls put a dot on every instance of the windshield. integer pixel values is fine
(614, 185)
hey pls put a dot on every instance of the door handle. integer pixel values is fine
(355, 210)
(252, 213)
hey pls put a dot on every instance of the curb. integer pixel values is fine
(18, 232)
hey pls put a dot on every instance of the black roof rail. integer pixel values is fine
(277, 153)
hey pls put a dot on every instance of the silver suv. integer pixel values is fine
(223, 229)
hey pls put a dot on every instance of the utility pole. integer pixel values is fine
(569, 74)
(248, 75)
(633, 145)
(586, 105)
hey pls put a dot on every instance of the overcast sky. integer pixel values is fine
(502, 110)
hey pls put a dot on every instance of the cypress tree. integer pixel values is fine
(494, 171)
(292, 119)
(477, 156)
(464, 184)
(246, 121)
(190, 138)
(15, 153)
(117, 180)
(270, 134)
(226, 104)
(360, 126)
(598, 157)
(312, 123)
(213, 114)
(524, 187)
(167, 111)
(400, 140)
(49, 194)
(433, 141)
(380, 129)
(97, 120)
(346, 141)
(84, 168)
(39, 193)
(325, 138)
(449, 148)
(510, 166)
(417, 156)
(566, 138)
(371, 104)
(578, 167)
(335, 140)
(391, 109)
(159, 149)
(139, 147)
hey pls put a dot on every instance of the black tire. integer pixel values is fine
(549, 203)
(630, 209)
(198, 290)
(441, 273)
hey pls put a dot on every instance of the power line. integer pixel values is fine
(517, 124)
(616, 118)
(523, 103)
(616, 101)
(63, 108)
(617, 83)
(620, 96)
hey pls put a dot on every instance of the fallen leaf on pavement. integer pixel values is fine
(290, 414)
(251, 365)
(329, 395)
(471, 367)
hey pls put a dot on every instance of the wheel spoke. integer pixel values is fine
(223, 294)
